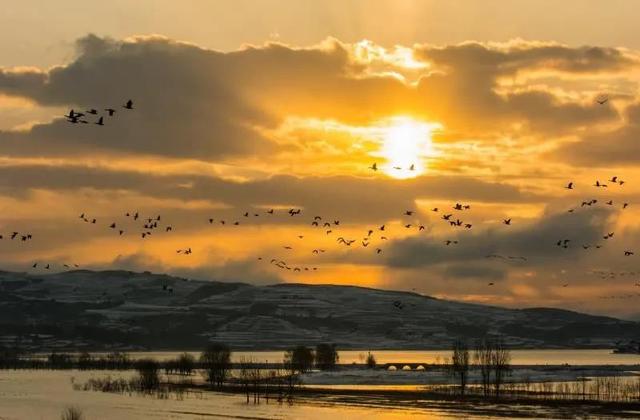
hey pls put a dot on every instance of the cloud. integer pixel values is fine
(235, 271)
(352, 199)
(216, 134)
(535, 241)
(202, 104)
(462, 87)
(620, 146)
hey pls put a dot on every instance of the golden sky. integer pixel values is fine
(241, 107)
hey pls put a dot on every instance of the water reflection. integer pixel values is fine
(519, 357)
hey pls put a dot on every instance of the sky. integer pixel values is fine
(354, 112)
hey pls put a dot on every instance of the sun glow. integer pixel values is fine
(407, 143)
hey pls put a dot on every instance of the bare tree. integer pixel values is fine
(501, 364)
(244, 375)
(460, 364)
(482, 359)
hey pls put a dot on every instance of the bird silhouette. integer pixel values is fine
(128, 104)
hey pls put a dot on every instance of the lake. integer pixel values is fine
(33, 395)
(44, 394)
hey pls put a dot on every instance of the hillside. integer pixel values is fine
(120, 309)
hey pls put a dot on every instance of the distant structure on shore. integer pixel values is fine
(629, 347)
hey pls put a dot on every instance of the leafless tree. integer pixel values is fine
(501, 364)
(460, 364)
(482, 359)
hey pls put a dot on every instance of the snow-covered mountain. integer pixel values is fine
(120, 309)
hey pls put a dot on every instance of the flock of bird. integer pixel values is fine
(146, 227)
(74, 117)
(18, 236)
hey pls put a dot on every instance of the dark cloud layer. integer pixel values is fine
(535, 241)
(350, 198)
(618, 147)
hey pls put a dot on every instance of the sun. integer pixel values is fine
(406, 144)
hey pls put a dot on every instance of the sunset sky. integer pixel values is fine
(245, 106)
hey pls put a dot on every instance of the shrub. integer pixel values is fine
(326, 356)
(371, 361)
(72, 413)
(299, 359)
(216, 362)
(148, 374)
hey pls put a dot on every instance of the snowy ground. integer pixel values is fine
(345, 376)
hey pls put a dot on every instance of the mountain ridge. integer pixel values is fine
(119, 309)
